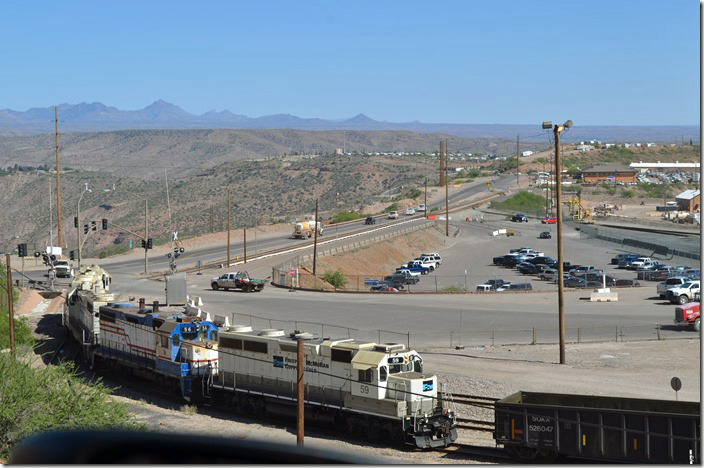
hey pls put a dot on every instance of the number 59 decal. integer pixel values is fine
(364, 389)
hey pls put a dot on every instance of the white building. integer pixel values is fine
(585, 148)
(526, 153)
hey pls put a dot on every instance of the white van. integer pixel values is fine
(485, 288)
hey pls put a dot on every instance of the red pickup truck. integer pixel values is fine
(688, 315)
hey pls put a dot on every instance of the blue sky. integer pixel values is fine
(514, 62)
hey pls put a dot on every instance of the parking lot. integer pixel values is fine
(467, 257)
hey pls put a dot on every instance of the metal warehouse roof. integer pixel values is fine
(688, 195)
(608, 168)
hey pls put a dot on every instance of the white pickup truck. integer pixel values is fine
(684, 293)
(641, 262)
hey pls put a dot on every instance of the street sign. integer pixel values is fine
(292, 273)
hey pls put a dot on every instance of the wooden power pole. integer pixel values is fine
(425, 200)
(315, 239)
(228, 229)
(442, 163)
(518, 160)
(58, 180)
(300, 366)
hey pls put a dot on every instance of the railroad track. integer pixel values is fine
(475, 425)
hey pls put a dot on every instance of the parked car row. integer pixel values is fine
(530, 262)
(408, 273)
(679, 289)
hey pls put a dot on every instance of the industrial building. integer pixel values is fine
(608, 173)
(688, 200)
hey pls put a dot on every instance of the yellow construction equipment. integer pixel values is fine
(577, 210)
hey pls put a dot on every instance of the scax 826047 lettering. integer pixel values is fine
(378, 390)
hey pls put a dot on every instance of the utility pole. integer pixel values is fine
(518, 160)
(9, 305)
(425, 200)
(315, 240)
(146, 235)
(300, 366)
(245, 245)
(442, 163)
(228, 228)
(560, 266)
(58, 179)
(447, 201)
(211, 218)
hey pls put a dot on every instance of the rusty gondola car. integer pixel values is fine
(543, 426)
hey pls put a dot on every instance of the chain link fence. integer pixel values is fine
(468, 338)
(664, 247)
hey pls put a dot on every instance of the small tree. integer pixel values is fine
(335, 278)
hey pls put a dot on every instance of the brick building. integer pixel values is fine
(608, 173)
(688, 200)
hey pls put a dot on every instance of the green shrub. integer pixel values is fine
(627, 193)
(523, 201)
(35, 400)
(335, 278)
(392, 207)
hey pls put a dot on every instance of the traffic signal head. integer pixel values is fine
(85, 229)
(105, 224)
(94, 225)
(149, 243)
(22, 250)
(144, 244)
(72, 255)
(75, 221)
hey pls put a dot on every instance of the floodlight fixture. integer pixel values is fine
(568, 124)
(547, 125)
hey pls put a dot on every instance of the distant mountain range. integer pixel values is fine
(92, 117)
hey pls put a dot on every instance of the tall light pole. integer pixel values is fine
(78, 216)
(560, 267)
(447, 196)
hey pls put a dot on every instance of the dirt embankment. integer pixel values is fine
(373, 261)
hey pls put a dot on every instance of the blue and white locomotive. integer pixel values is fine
(167, 345)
